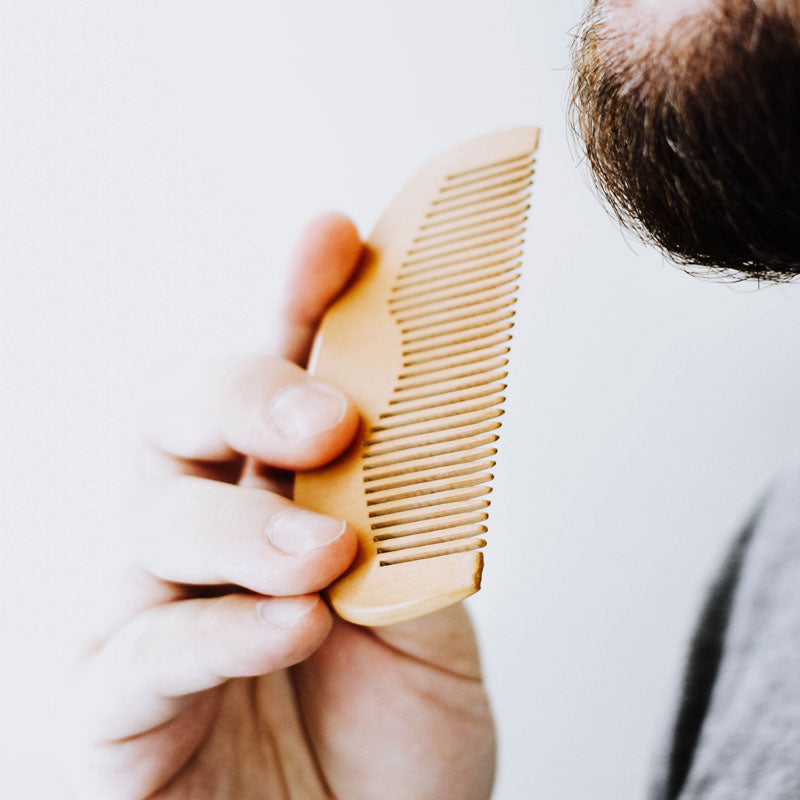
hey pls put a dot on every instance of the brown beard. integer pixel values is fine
(695, 141)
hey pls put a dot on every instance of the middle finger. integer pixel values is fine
(196, 531)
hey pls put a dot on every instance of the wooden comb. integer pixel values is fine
(420, 341)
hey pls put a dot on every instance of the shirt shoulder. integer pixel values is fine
(735, 731)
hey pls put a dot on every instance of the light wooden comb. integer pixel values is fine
(420, 341)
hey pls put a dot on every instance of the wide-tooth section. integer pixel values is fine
(387, 496)
(451, 368)
(386, 456)
(447, 548)
(430, 506)
(438, 525)
(466, 452)
(442, 512)
(427, 459)
(462, 390)
(479, 390)
(400, 511)
(422, 539)
(428, 431)
(456, 470)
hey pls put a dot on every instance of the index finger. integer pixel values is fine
(323, 261)
(258, 406)
(217, 411)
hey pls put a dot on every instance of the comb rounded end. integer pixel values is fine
(376, 595)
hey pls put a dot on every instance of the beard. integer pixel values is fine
(692, 131)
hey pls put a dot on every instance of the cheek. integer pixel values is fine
(635, 36)
(648, 18)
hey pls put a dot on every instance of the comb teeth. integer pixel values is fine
(420, 341)
(426, 461)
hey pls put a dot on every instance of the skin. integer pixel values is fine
(222, 673)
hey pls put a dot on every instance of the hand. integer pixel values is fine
(224, 675)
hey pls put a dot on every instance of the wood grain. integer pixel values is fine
(420, 341)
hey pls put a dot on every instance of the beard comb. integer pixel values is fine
(420, 341)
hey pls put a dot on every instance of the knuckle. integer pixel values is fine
(242, 513)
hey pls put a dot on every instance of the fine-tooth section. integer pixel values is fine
(427, 280)
(431, 271)
(504, 170)
(516, 214)
(483, 168)
(489, 245)
(474, 202)
(452, 298)
(432, 226)
(473, 237)
(469, 342)
(452, 280)
(441, 329)
(492, 186)
(458, 315)
(484, 244)
(450, 535)
(466, 300)
(420, 340)
(448, 341)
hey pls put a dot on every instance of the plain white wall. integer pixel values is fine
(156, 160)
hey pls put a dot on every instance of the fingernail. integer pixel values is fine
(286, 612)
(297, 531)
(307, 409)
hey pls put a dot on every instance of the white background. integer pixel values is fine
(156, 160)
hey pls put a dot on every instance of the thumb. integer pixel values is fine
(322, 262)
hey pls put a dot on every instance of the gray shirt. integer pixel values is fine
(735, 731)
